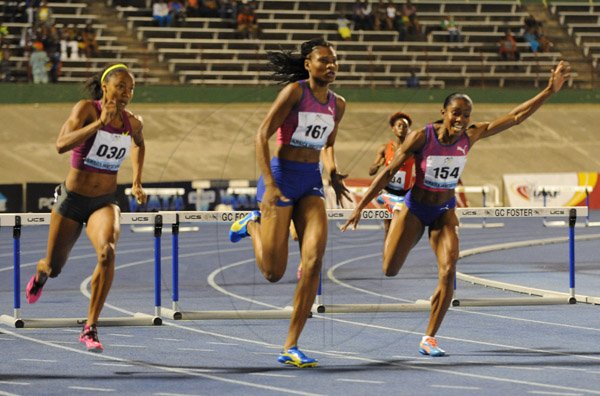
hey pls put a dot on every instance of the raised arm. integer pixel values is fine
(558, 76)
(73, 132)
(413, 142)
(138, 152)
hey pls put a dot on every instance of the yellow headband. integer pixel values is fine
(113, 67)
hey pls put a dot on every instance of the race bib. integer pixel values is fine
(398, 181)
(313, 130)
(108, 151)
(444, 171)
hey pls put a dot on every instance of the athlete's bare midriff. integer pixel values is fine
(431, 198)
(298, 154)
(90, 184)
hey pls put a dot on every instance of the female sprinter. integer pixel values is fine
(99, 133)
(440, 152)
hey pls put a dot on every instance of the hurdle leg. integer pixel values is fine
(174, 312)
(16, 320)
(157, 269)
(572, 221)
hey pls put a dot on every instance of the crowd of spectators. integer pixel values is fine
(43, 42)
(385, 15)
(240, 15)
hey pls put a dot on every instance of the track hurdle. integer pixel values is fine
(545, 191)
(162, 194)
(500, 212)
(175, 312)
(18, 220)
(484, 191)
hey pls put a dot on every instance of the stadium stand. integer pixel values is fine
(209, 51)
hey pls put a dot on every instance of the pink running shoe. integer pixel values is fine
(33, 291)
(89, 336)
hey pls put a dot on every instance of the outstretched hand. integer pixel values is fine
(341, 191)
(560, 74)
(352, 221)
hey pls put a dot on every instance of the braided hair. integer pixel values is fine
(288, 67)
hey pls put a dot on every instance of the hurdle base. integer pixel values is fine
(284, 313)
(511, 301)
(138, 319)
(418, 306)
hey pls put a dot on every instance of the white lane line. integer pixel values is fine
(212, 282)
(120, 335)
(14, 383)
(113, 364)
(221, 343)
(86, 388)
(274, 375)
(2, 393)
(127, 346)
(456, 387)
(168, 339)
(6, 339)
(345, 352)
(64, 342)
(165, 368)
(174, 394)
(555, 393)
(195, 349)
(358, 381)
(519, 368)
(39, 360)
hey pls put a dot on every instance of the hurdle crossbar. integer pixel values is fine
(551, 189)
(497, 212)
(484, 191)
(17, 220)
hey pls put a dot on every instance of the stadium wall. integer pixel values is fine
(63, 93)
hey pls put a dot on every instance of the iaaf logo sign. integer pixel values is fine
(531, 192)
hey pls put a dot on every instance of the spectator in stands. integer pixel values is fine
(530, 37)
(5, 66)
(449, 25)
(413, 81)
(31, 7)
(209, 9)
(391, 13)
(507, 47)
(229, 10)
(160, 13)
(192, 8)
(38, 61)
(247, 25)
(440, 151)
(380, 16)
(530, 23)
(344, 27)
(291, 187)
(410, 20)
(89, 38)
(361, 14)
(44, 14)
(88, 194)
(176, 12)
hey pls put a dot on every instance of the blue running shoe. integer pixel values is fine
(429, 346)
(392, 202)
(295, 357)
(239, 229)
